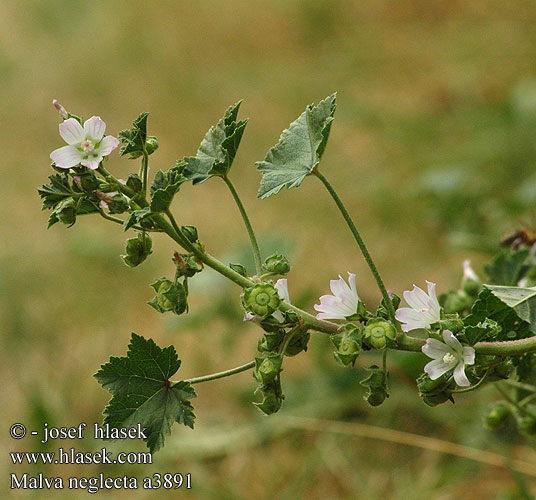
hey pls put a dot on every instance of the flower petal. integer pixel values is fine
(107, 145)
(405, 314)
(339, 287)
(417, 298)
(460, 377)
(468, 355)
(351, 282)
(452, 341)
(330, 315)
(435, 349)
(66, 157)
(95, 128)
(72, 132)
(281, 286)
(92, 163)
(431, 290)
(436, 368)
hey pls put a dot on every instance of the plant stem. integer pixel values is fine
(505, 395)
(362, 246)
(226, 373)
(144, 171)
(247, 223)
(520, 385)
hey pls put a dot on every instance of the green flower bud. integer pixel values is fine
(118, 204)
(270, 341)
(376, 384)
(239, 268)
(436, 399)
(277, 264)
(527, 425)
(170, 296)
(138, 249)
(297, 344)
(272, 397)
(66, 212)
(134, 183)
(267, 369)
(348, 344)
(379, 332)
(262, 299)
(88, 182)
(187, 264)
(151, 144)
(454, 324)
(191, 233)
(497, 416)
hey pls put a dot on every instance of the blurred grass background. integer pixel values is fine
(432, 149)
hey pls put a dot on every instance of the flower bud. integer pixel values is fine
(277, 264)
(471, 283)
(239, 268)
(377, 386)
(261, 299)
(270, 341)
(187, 264)
(348, 344)
(151, 144)
(170, 296)
(191, 233)
(61, 110)
(88, 182)
(267, 369)
(66, 212)
(118, 204)
(379, 332)
(454, 324)
(497, 416)
(135, 183)
(297, 344)
(138, 249)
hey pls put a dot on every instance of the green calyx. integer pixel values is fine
(262, 299)
(348, 344)
(436, 392)
(66, 212)
(267, 369)
(276, 264)
(378, 333)
(187, 264)
(137, 249)
(170, 296)
(497, 416)
(88, 182)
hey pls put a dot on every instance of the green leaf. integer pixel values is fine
(143, 393)
(56, 191)
(299, 149)
(136, 217)
(507, 267)
(218, 148)
(521, 300)
(489, 306)
(165, 185)
(134, 138)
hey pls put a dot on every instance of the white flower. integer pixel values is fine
(282, 290)
(86, 145)
(342, 303)
(447, 356)
(424, 308)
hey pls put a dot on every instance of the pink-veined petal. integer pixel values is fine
(452, 341)
(92, 163)
(405, 314)
(339, 287)
(107, 145)
(468, 355)
(435, 349)
(431, 291)
(95, 128)
(436, 368)
(351, 282)
(72, 132)
(417, 298)
(66, 157)
(460, 377)
(330, 315)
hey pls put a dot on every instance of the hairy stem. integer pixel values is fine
(247, 223)
(226, 373)
(361, 244)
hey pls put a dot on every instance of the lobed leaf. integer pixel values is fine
(142, 391)
(299, 149)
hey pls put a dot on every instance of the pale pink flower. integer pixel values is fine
(87, 145)
(424, 308)
(343, 303)
(281, 286)
(447, 356)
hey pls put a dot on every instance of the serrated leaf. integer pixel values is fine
(164, 187)
(521, 300)
(142, 391)
(299, 149)
(56, 191)
(136, 217)
(218, 148)
(134, 138)
(489, 306)
(507, 267)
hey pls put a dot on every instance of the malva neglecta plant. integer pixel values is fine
(477, 335)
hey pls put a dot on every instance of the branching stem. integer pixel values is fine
(226, 373)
